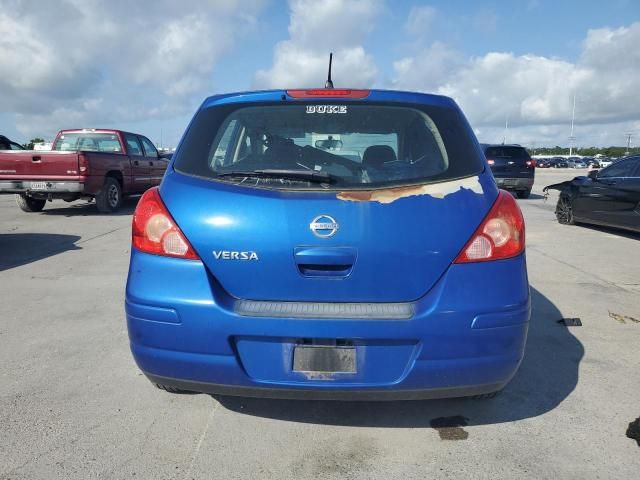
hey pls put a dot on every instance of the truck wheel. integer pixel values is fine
(524, 193)
(109, 199)
(28, 204)
(564, 210)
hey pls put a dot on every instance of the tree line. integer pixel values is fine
(586, 151)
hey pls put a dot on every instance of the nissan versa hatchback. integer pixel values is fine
(328, 244)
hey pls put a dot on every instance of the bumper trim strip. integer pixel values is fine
(325, 310)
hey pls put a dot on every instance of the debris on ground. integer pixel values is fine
(571, 322)
(633, 432)
(622, 318)
(450, 428)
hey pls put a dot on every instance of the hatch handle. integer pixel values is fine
(325, 261)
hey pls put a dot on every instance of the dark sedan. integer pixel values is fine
(560, 162)
(544, 163)
(608, 197)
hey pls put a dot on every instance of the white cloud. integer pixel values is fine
(537, 91)
(318, 27)
(420, 20)
(87, 62)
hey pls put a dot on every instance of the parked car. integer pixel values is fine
(605, 162)
(591, 162)
(560, 162)
(6, 144)
(576, 162)
(286, 270)
(95, 164)
(544, 163)
(512, 167)
(609, 197)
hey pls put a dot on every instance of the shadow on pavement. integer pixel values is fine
(547, 376)
(612, 231)
(22, 248)
(85, 209)
(533, 196)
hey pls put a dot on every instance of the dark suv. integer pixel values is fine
(512, 167)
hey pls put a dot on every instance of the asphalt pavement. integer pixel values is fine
(73, 405)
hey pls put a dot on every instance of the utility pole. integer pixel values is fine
(628, 135)
(506, 130)
(572, 138)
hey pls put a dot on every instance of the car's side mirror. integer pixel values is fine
(593, 174)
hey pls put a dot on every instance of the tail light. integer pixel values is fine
(83, 164)
(500, 236)
(491, 162)
(328, 93)
(155, 231)
(532, 163)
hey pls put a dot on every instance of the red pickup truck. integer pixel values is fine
(104, 165)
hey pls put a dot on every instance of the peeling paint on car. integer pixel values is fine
(435, 190)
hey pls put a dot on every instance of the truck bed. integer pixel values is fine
(38, 165)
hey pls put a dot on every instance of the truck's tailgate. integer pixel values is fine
(38, 164)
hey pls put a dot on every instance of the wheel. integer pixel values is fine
(109, 199)
(169, 389)
(523, 193)
(564, 210)
(28, 204)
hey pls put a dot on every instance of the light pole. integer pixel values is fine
(628, 135)
(572, 138)
(506, 130)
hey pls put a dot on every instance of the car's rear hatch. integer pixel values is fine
(267, 239)
(38, 165)
(509, 161)
(381, 252)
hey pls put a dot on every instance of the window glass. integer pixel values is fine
(149, 149)
(88, 142)
(622, 168)
(133, 145)
(359, 146)
(506, 152)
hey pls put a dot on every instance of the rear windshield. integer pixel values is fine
(355, 145)
(91, 142)
(507, 152)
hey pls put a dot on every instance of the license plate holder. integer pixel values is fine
(38, 185)
(324, 359)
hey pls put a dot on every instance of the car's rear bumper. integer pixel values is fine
(351, 394)
(41, 188)
(510, 183)
(465, 337)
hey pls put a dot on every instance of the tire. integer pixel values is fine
(523, 193)
(28, 204)
(169, 389)
(109, 199)
(564, 210)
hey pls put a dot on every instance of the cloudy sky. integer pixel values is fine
(145, 66)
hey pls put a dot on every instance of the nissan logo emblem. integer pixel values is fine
(323, 226)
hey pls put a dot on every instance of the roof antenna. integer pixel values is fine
(329, 82)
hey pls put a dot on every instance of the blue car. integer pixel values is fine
(267, 264)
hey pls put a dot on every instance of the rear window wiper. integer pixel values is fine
(303, 175)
